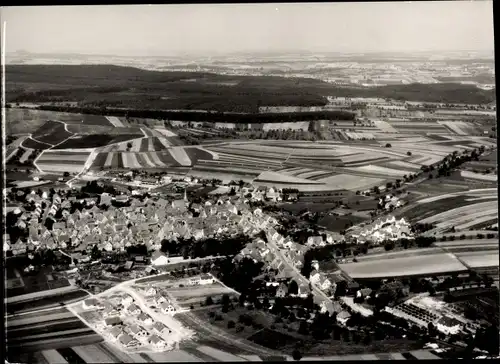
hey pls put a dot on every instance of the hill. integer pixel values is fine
(128, 87)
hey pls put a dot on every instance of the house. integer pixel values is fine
(113, 321)
(314, 241)
(145, 319)
(159, 259)
(90, 303)
(343, 317)
(365, 292)
(314, 277)
(167, 308)
(159, 327)
(282, 290)
(449, 325)
(324, 283)
(133, 309)
(127, 341)
(206, 279)
(137, 331)
(304, 290)
(151, 291)
(127, 300)
(115, 332)
(156, 341)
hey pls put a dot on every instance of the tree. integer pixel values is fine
(231, 324)
(388, 145)
(293, 287)
(408, 153)
(209, 301)
(296, 355)
(66, 174)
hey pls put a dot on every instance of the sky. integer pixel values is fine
(164, 30)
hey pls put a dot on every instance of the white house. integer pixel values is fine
(151, 291)
(127, 341)
(159, 259)
(159, 327)
(145, 319)
(315, 277)
(127, 300)
(167, 308)
(159, 299)
(133, 309)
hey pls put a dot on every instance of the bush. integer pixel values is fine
(408, 153)
(388, 145)
(231, 324)
(480, 236)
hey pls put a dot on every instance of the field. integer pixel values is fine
(404, 266)
(52, 132)
(59, 160)
(187, 296)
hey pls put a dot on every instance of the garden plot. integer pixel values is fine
(405, 266)
(186, 296)
(350, 182)
(479, 176)
(109, 159)
(115, 121)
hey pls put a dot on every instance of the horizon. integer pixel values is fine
(176, 30)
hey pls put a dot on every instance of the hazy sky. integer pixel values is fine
(170, 29)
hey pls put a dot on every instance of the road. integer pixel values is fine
(318, 294)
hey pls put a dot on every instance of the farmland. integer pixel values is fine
(52, 132)
(62, 160)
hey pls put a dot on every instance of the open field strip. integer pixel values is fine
(134, 163)
(300, 125)
(214, 155)
(481, 259)
(249, 159)
(403, 164)
(25, 155)
(479, 220)
(242, 153)
(361, 157)
(179, 356)
(147, 160)
(218, 354)
(460, 211)
(180, 155)
(156, 160)
(63, 157)
(151, 147)
(165, 132)
(122, 147)
(91, 354)
(115, 121)
(53, 357)
(380, 170)
(359, 135)
(464, 147)
(109, 159)
(125, 159)
(136, 145)
(481, 198)
(165, 142)
(61, 167)
(454, 126)
(229, 169)
(289, 170)
(350, 182)
(269, 176)
(313, 173)
(405, 266)
(384, 126)
(478, 176)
